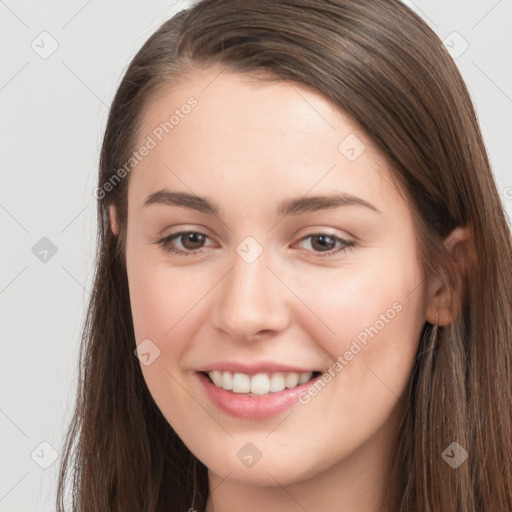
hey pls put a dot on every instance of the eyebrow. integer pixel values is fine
(295, 206)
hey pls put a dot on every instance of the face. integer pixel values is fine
(270, 283)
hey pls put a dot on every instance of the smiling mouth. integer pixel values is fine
(263, 383)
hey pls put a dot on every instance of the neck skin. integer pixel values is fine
(356, 484)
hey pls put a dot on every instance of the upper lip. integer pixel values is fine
(253, 368)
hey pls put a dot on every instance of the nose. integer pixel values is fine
(252, 301)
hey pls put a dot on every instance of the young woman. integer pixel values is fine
(303, 289)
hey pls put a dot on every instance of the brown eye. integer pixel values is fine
(191, 241)
(326, 244)
(323, 242)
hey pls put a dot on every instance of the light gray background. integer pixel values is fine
(53, 113)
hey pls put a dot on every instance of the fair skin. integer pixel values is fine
(247, 146)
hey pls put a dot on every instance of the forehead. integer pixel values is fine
(218, 130)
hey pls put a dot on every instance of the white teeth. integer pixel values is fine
(304, 377)
(259, 384)
(226, 381)
(277, 382)
(241, 383)
(292, 379)
(216, 376)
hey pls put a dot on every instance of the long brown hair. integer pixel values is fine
(383, 65)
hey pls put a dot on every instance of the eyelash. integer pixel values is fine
(165, 243)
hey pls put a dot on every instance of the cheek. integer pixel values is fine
(165, 308)
(160, 296)
(155, 304)
(369, 318)
(163, 312)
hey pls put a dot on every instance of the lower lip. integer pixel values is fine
(253, 407)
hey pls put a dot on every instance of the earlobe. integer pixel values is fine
(113, 219)
(439, 303)
(444, 305)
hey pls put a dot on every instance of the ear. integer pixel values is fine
(444, 305)
(112, 215)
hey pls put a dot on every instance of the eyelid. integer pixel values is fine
(170, 237)
(185, 228)
(346, 244)
(309, 231)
